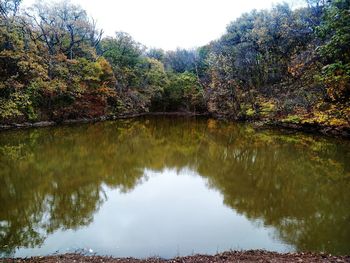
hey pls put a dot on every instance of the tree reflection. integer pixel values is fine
(53, 178)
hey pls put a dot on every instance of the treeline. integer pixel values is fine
(279, 64)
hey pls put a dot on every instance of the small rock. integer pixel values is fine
(5, 127)
(22, 125)
(43, 124)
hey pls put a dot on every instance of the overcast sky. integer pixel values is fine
(168, 24)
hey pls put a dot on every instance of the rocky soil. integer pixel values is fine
(232, 256)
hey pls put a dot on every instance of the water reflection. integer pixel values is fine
(55, 179)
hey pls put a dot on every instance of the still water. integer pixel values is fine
(171, 186)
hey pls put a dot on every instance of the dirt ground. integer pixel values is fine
(234, 256)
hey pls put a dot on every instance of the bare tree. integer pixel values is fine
(8, 12)
(9, 8)
(64, 27)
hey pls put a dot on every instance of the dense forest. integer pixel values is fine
(280, 65)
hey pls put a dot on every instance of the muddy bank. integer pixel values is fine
(234, 256)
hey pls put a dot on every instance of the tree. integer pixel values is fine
(335, 30)
(64, 28)
(156, 53)
(8, 23)
(9, 9)
(184, 92)
(124, 54)
(180, 60)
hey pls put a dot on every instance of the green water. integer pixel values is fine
(171, 186)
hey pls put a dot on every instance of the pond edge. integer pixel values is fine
(331, 131)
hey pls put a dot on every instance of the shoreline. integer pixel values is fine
(25, 125)
(330, 131)
(230, 256)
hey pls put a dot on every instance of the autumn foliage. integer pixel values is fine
(282, 64)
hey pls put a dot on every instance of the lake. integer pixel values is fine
(162, 186)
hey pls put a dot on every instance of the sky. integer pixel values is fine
(168, 24)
